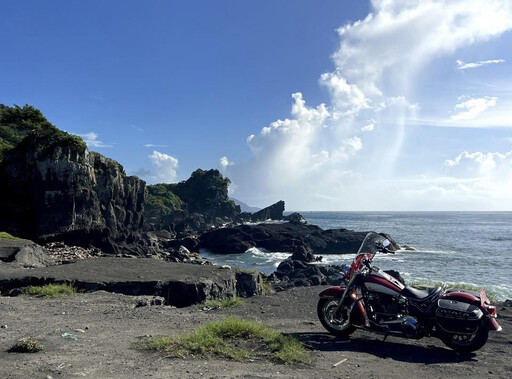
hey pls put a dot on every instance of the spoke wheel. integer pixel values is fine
(326, 310)
(466, 343)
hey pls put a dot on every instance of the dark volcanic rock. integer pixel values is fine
(24, 253)
(295, 218)
(284, 237)
(273, 212)
(226, 240)
(66, 193)
(180, 284)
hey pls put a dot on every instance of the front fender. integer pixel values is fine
(334, 292)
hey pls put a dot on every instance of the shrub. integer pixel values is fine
(26, 345)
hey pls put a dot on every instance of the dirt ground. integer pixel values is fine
(90, 335)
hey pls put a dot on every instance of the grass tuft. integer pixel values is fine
(231, 338)
(227, 302)
(50, 290)
(26, 345)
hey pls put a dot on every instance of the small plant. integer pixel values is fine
(50, 290)
(227, 302)
(7, 236)
(231, 338)
(26, 345)
(267, 287)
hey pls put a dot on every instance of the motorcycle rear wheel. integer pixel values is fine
(466, 343)
(326, 310)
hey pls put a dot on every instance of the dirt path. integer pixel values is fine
(101, 326)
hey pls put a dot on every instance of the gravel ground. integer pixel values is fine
(90, 335)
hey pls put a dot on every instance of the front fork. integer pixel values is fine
(351, 293)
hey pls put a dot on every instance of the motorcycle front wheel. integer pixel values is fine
(466, 343)
(326, 311)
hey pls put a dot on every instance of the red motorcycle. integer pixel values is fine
(374, 300)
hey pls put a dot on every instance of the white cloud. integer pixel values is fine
(368, 128)
(91, 139)
(498, 165)
(470, 109)
(320, 157)
(152, 145)
(464, 66)
(165, 167)
(225, 163)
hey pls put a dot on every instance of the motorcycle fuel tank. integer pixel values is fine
(379, 281)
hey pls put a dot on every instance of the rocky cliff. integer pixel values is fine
(192, 206)
(53, 188)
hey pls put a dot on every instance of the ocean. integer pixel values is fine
(471, 248)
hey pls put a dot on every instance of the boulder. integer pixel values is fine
(25, 253)
(295, 218)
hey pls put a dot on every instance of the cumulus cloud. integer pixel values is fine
(481, 164)
(464, 66)
(225, 163)
(165, 167)
(324, 154)
(471, 108)
(92, 141)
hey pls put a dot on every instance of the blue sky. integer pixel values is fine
(328, 105)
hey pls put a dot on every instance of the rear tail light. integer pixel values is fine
(492, 311)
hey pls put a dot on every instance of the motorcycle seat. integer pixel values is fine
(418, 294)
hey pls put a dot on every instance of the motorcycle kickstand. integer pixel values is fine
(385, 336)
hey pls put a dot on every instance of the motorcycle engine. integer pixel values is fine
(386, 307)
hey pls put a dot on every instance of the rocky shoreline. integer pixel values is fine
(24, 263)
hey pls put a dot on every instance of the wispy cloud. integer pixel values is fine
(464, 66)
(135, 127)
(153, 146)
(369, 127)
(470, 109)
(92, 141)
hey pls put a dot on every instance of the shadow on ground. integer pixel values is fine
(399, 350)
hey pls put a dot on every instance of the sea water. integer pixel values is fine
(472, 248)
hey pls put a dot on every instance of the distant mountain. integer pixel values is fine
(244, 207)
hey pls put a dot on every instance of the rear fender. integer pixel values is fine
(480, 300)
(463, 296)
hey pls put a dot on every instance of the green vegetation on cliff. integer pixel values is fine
(161, 197)
(205, 192)
(27, 126)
